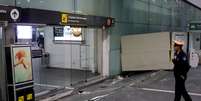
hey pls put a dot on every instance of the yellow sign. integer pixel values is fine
(64, 18)
(29, 97)
(21, 98)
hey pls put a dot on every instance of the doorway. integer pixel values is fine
(64, 60)
(72, 60)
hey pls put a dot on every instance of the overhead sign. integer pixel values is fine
(64, 18)
(10, 13)
(77, 20)
(195, 26)
(48, 17)
(3, 14)
(15, 14)
(58, 31)
(39, 16)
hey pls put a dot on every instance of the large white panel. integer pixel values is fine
(146, 52)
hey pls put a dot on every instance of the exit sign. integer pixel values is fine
(195, 26)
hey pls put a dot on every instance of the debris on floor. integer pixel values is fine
(98, 97)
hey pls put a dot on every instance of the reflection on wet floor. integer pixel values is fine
(166, 81)
(157, 86)
(40, 89)
(51, 78)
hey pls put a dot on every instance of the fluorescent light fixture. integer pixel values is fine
(24, 32)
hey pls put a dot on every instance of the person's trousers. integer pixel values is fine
(180, 89)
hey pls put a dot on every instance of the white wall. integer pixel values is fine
(60, 54)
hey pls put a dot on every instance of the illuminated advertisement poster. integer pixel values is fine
(22, 65)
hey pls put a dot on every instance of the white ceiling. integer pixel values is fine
(196, 2)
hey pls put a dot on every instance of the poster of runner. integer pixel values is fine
(22, 63)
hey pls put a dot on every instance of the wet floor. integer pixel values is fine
(156, 87)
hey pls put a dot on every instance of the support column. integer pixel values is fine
(3, 86)
(106, 52)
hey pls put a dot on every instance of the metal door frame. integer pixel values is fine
(3, 80)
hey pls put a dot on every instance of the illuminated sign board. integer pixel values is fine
(22, 64)
(195, 26)
(19, 73)
(9, 13)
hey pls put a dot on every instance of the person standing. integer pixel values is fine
(181, 68)
(40, 41)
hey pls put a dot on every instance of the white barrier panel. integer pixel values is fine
(147, 51)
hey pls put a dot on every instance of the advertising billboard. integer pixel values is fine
(22, 65)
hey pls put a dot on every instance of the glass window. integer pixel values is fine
(144, 0)
(140, 12)
(56, 5)
(116, 6)
(154, 28)
(7, 2)
(24, 32)
(155, 15)
(167, 3)
(93, 7)
(140, 28)
(156, 2)
(166, 16)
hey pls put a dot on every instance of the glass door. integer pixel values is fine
(2, 69)
(1, 61)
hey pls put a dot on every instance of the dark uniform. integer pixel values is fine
(40, 41)
(181, 68)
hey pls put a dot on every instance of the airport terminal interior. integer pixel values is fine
(50, 48)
